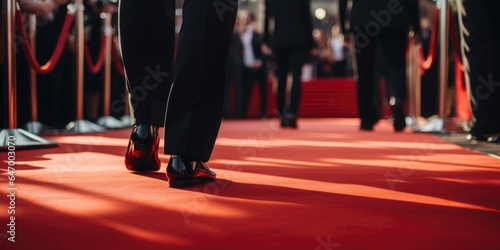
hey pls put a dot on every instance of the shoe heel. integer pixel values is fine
(142, 157)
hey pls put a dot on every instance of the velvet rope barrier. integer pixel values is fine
(95, 68)
(463, 110)
(426, 63)
(117, 58)
(28, 52)
(454, 41)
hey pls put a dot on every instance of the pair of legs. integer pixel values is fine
(188, 98)
(482, 22)
(393, 47)
(289, 60)
(250, 77)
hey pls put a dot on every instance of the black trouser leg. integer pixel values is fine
(248, 81)
(195, 104)
(282, 58)
(297, 60)
(482, 22)
(147, 35)
(366, 82)
(393, 45)
(261, 78)
(239, 93)
(250, 77)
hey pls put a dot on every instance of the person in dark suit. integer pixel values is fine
(481, 20)
(383, 23)
(254, 62)
(193, 115)
(292, 42)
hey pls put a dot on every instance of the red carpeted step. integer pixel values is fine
(329, 97)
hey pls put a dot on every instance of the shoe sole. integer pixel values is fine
(186, 183)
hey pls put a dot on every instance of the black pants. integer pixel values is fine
(483, 22)
(250, 77)
(289, 60)
(194, 111)
(393, 47)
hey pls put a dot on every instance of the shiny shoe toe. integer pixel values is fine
(183, 172)
(494, 139)
(289, 122)
(472, 137)
(142, 150)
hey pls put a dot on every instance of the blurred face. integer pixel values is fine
(246, 19)
(335, 30)
(319, 37)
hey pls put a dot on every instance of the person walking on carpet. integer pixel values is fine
(189, 102)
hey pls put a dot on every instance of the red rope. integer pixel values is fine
(454, 41)
(95, 68)
(463, 108)
(61, 42)
(117, 58)
(426, 63)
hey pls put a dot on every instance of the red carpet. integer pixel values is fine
(325, 186)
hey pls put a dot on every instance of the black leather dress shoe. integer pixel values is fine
(289, 122)
(182, 172)
(398, 114)
(494, 139)
(366, 126)
(142, 151)
(473, 137)
(491, 138)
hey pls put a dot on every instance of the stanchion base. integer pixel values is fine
(22, 139)
(415, 122)
(126, 120)
(434, 125)
(37, 127)
(83, 126)
(441, 126)
(111, 122)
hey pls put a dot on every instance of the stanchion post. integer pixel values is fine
(437, 125)
(415, 94)
(412, 75)
(79, 40)
(418, 86)
(80, 125)
(443, 56)
(33, 74)
(34, 126)
(10, 62)
(12, 135)
(107, 30)
(107, 120)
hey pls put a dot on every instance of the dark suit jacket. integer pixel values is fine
(386, 14)
(235, 58)
(292, 23)
(257, 46)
